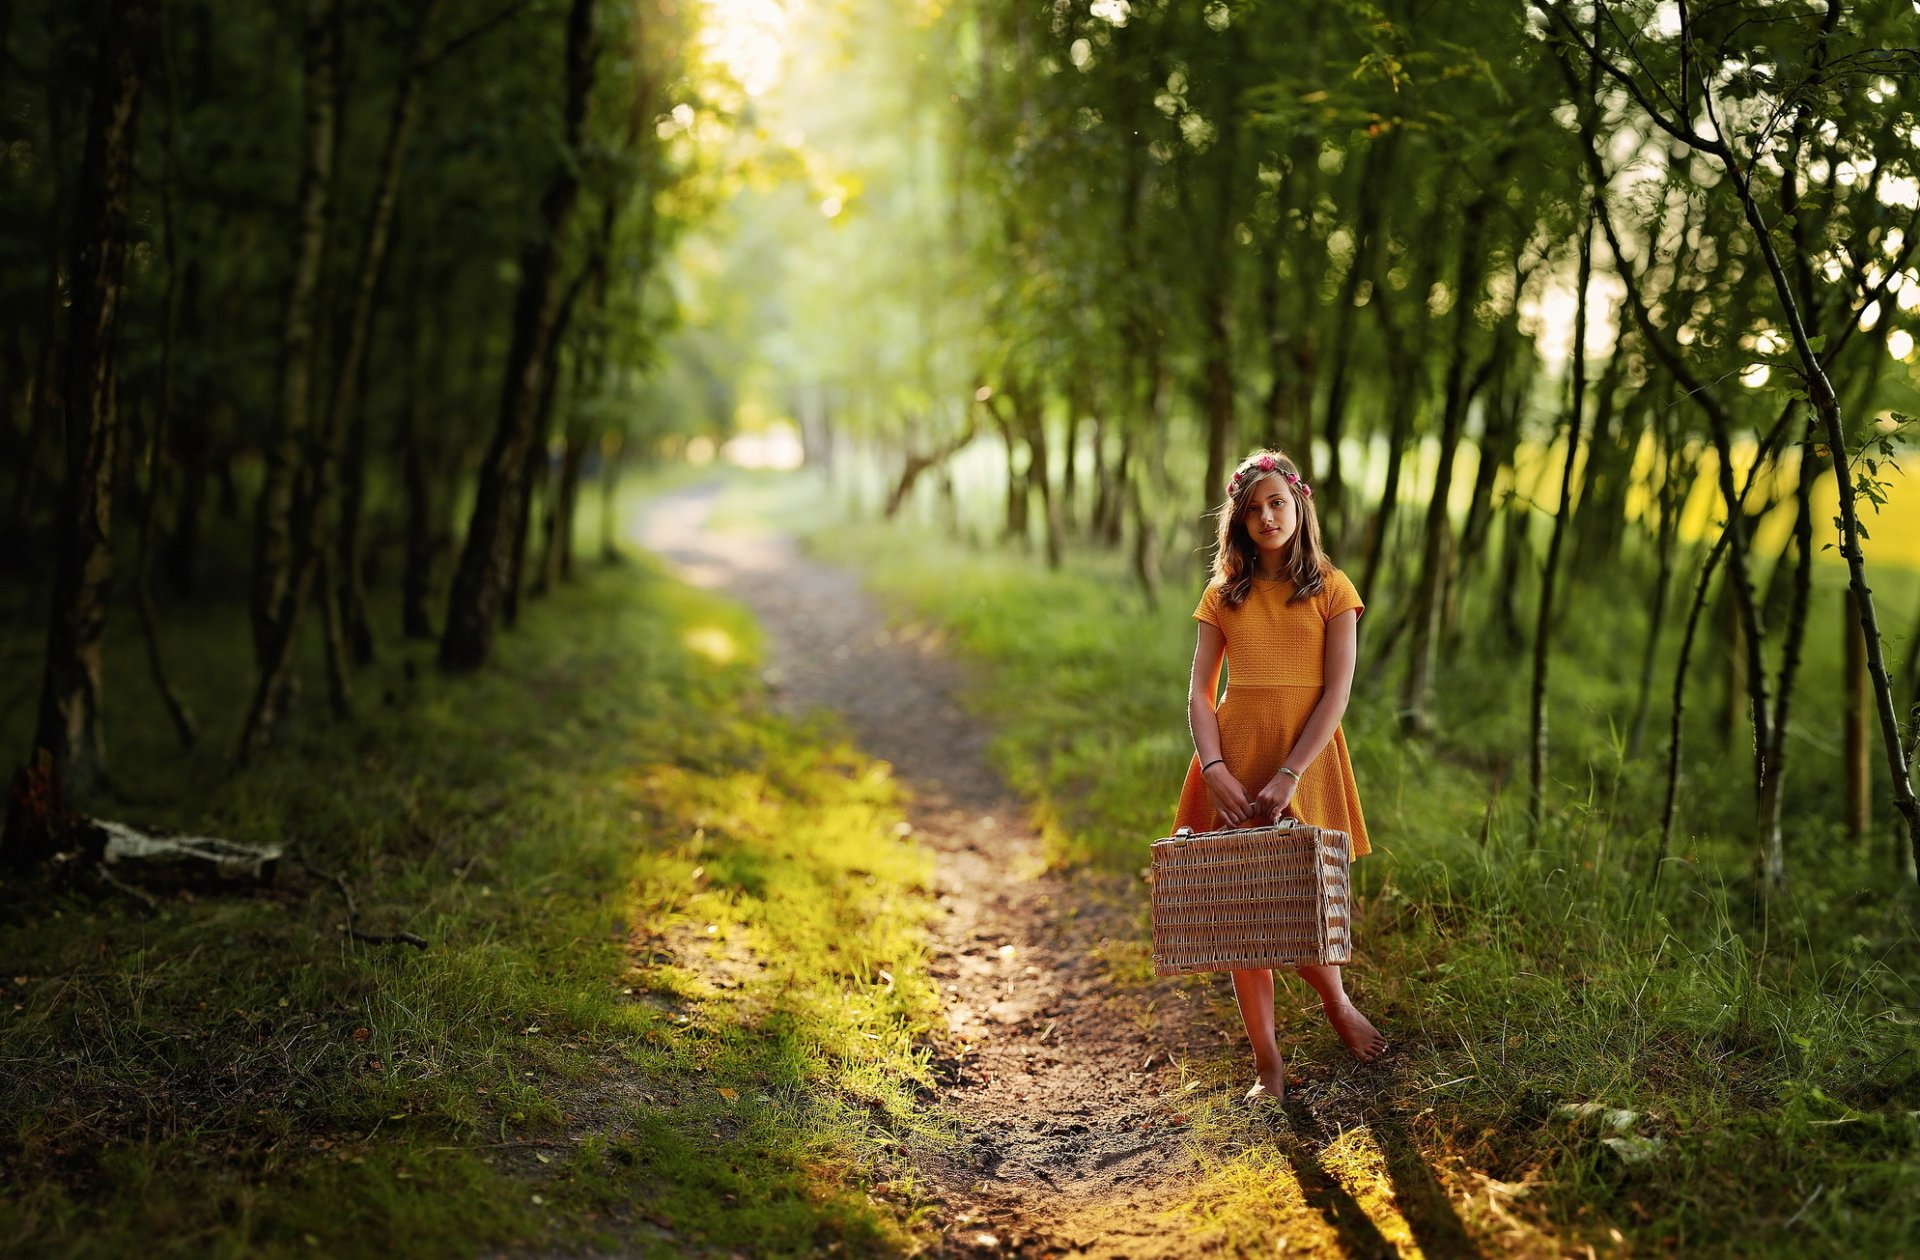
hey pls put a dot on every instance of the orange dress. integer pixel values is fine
(1275, 656)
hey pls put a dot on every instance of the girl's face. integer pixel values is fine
(1271, 517)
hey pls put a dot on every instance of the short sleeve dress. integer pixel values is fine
(1276, 651)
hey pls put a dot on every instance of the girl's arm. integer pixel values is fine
(1229, 797)
(1336, 687)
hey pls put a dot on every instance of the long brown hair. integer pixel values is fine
(1234, 552)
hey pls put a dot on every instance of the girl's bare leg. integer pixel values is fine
(1254, 991)
(1355, 1029)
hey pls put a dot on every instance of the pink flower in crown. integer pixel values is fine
(1267, 464)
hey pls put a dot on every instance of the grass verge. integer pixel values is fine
(674, 998)
(1577, 1054)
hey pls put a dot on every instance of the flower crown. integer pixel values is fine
(1262, 466)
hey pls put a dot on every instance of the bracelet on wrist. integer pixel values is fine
(1290, 770)
(1217, 761)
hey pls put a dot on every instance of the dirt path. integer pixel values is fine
(1058, 1077)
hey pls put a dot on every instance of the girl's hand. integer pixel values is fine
(1275, 798)
(1228, 797)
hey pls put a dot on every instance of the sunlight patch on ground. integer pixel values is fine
(1290, 1196)
(1355, 1158)
(711, 642)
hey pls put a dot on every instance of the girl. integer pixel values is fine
(1284, 619)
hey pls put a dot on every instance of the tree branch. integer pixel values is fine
(339, 883)
(1682, 131)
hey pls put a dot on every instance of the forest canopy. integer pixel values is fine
(1557, 296)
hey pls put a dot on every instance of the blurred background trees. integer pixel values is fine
(1560, 304)
(1580, 316)
(275, 274)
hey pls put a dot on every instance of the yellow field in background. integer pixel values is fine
(1893, 533)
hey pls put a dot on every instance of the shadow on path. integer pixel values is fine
(1059, 1077)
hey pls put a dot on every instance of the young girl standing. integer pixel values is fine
(1283, 618)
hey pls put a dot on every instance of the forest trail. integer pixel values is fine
(1061, 1081)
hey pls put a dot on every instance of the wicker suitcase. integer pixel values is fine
(1250, 897)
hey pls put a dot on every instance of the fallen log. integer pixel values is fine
(129, 860)
(148, 855)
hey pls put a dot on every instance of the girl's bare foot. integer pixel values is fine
(1362, 1039)
(1272, 1084)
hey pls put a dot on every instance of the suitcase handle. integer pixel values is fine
(1286, 822)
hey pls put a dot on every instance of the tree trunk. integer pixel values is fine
(288, 456)
(1516, 545)
(1404, 377)
(559, 557)
(1360, 269)
(1070, 446)
(350, 638)
(1122, 474)
(1405, 349)
(339, 667)
(1543, 627)
(177, 711)
(1855, 768)
(589, 364)
(158, 440)
(46, 404)
(190, 439)
(291, 529)
(1826, 405)
(536, 477)
(478, 585)
(918, 463)
(1676, 727)
(1913, 664)
(1499, 440)
(1018, 481)
(1720, 426)
(1506, 377)
(1217, 301)
(416, 581)
(1219, 406)
(1430, 590)
(1772, 856)
(1146, 569)
(609, 489)
(1600, 514)
(1030, 414)
(69, 749)
(351, 559)
(559, 507)
(1675, 480)
(1102, 481)
(1736, 668)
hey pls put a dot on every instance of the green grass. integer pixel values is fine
(676, 997)
(674, 1000)
(1774, 1057)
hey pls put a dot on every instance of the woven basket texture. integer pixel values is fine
(1249, 898)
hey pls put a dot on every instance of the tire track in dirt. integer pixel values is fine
(1057, 1076)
